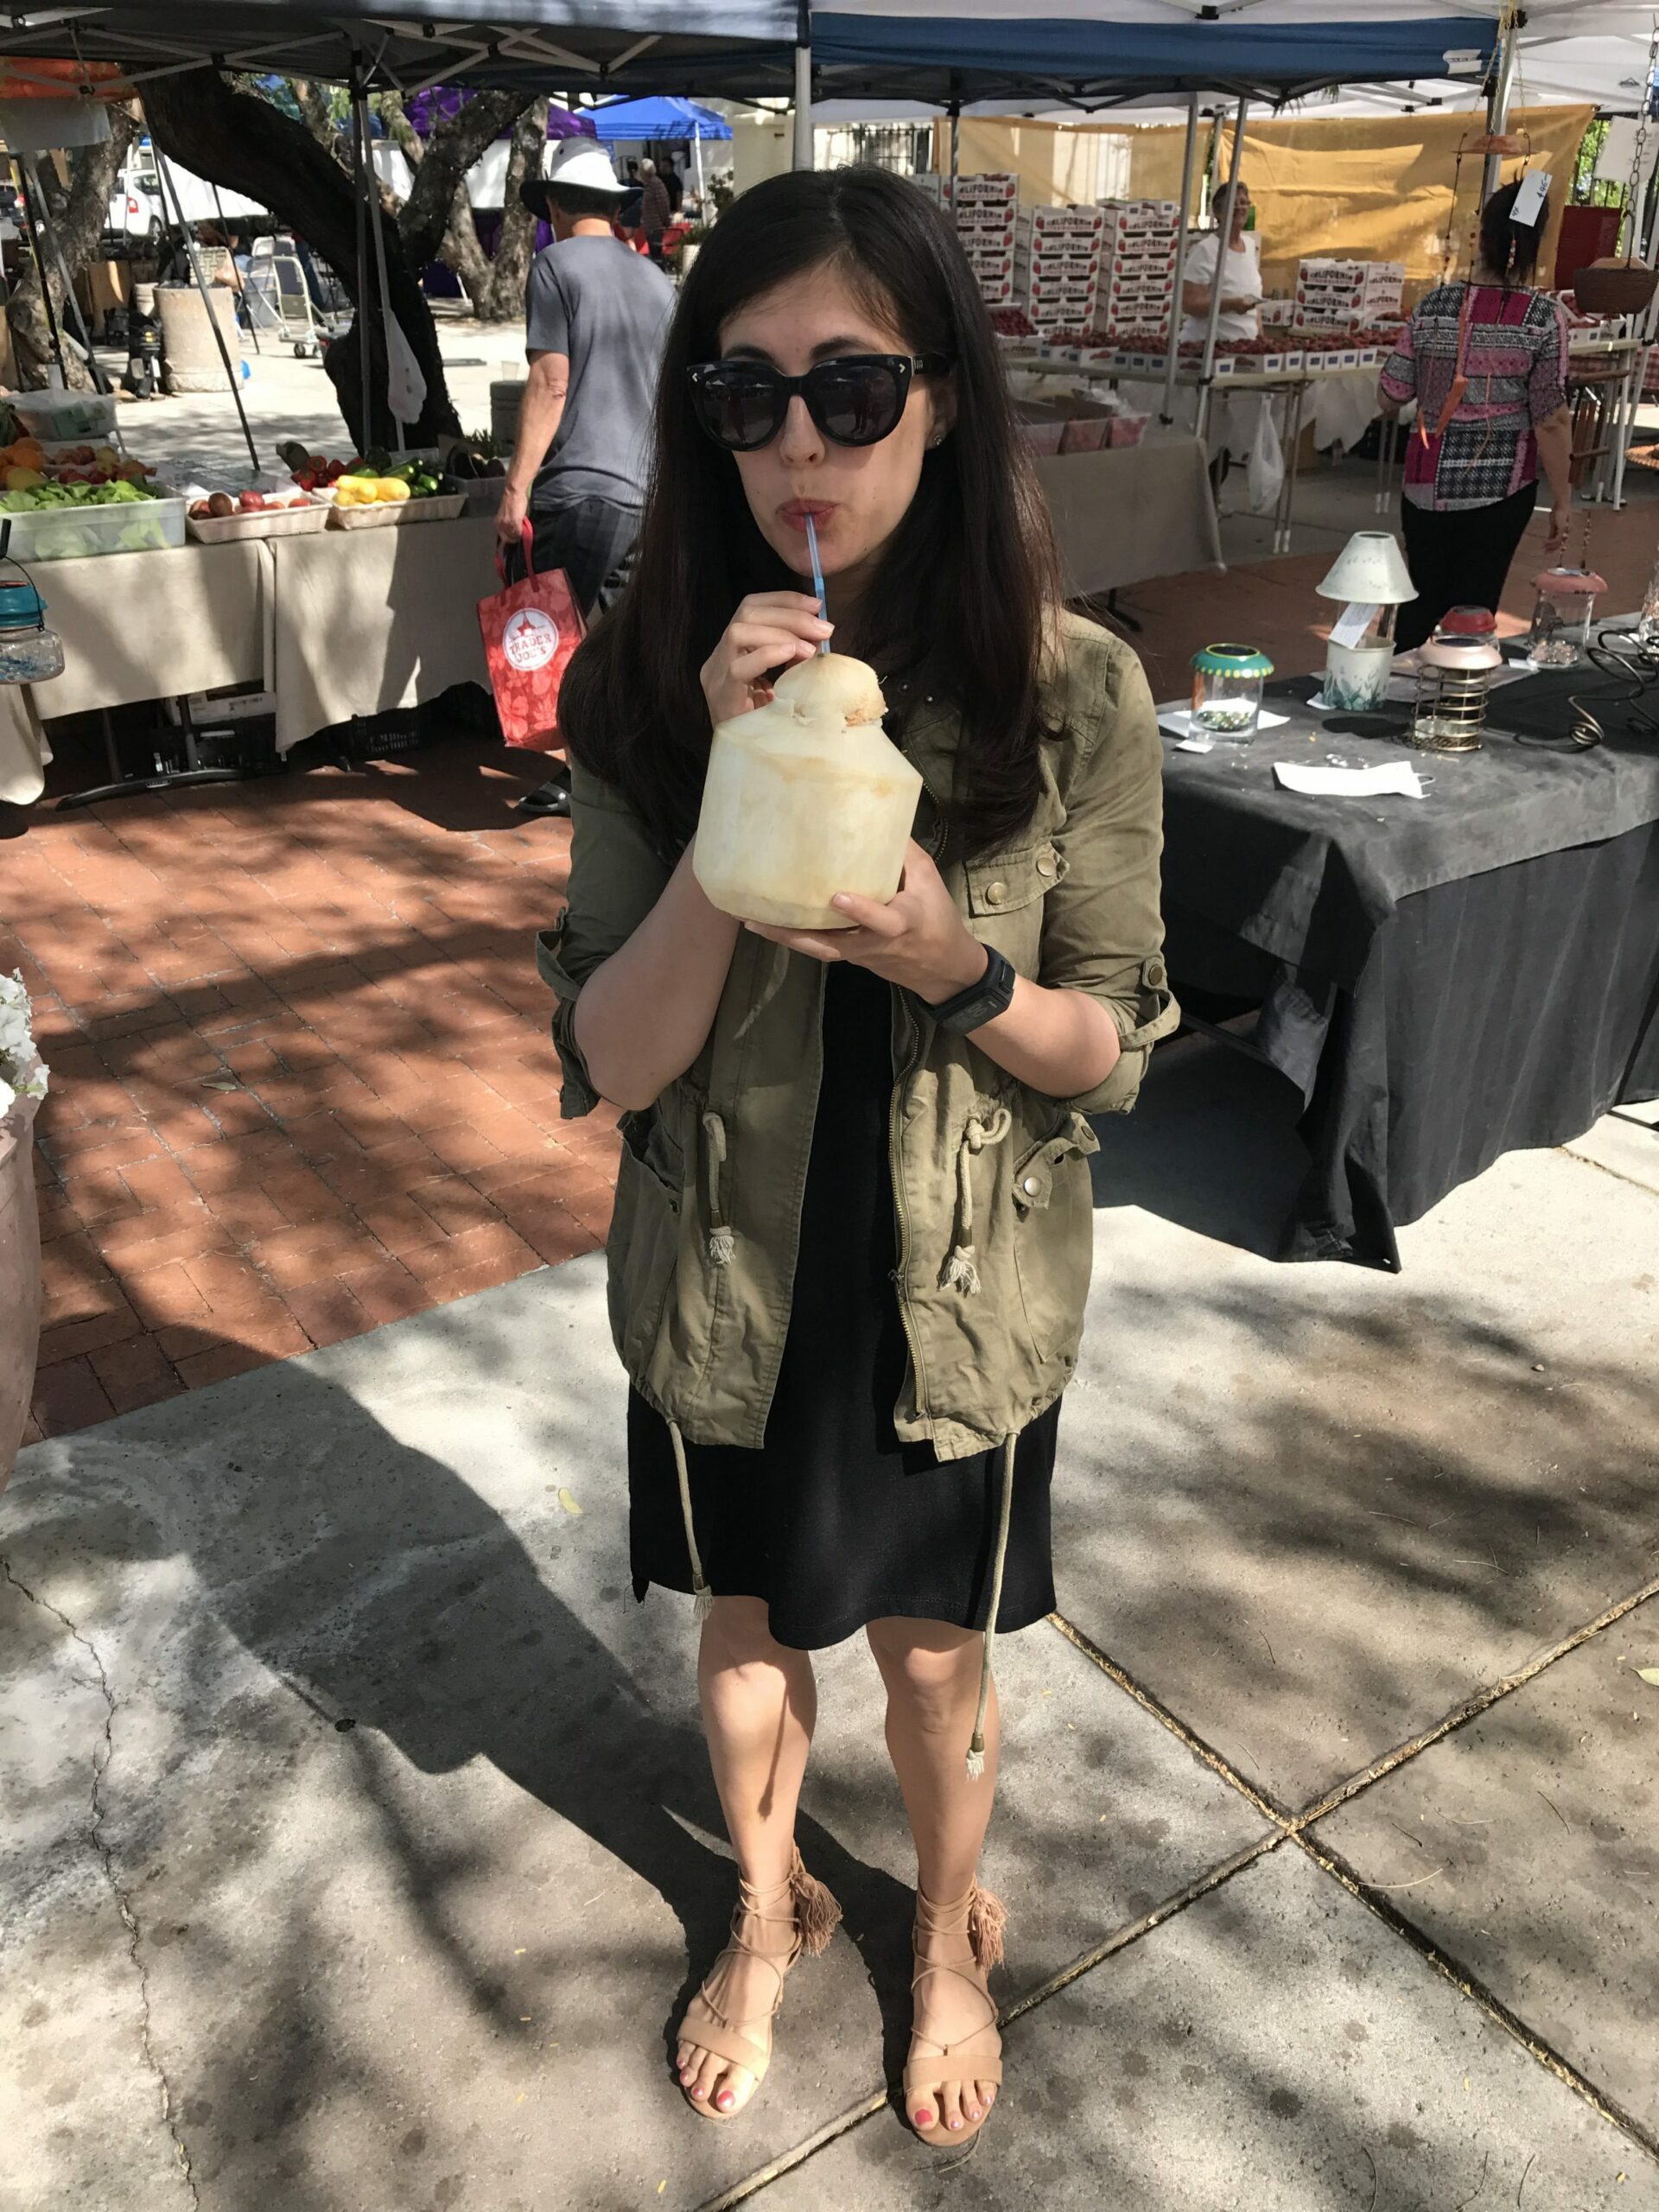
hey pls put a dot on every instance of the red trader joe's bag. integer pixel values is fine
(531, 630)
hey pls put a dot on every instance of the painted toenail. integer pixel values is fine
(698, 2091)
(955, 2123)
(724, 2099)
(923, 2119)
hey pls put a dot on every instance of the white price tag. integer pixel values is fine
(1529, 201)
(1351, 626)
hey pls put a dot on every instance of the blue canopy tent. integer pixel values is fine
(659, 118)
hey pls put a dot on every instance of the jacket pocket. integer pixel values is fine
(642, 1249)
(1054, 1236)
(1005, 896)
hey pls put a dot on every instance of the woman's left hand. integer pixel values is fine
(919, 942)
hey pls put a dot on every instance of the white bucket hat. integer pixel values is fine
(583, 161)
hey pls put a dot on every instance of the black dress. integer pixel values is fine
(834, 1521)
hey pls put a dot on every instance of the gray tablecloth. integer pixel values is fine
(1130, 513)
(1310, 881)
(1443, 979)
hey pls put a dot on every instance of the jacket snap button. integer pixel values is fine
(996, 894)
(1029, 1186)
(1046, 864)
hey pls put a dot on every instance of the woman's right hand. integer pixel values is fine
(1561, 515)
(770, 630)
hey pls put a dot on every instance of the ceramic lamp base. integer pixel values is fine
(1355, 676)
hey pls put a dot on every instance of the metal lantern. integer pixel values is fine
(1227, 683)
(1455, 675)
(1561, 615)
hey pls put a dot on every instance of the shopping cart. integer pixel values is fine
(279, 297)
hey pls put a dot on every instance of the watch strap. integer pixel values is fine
(981, 1001)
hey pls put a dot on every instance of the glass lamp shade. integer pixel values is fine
(1369, 571)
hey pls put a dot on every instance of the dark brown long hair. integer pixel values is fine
(957, 608)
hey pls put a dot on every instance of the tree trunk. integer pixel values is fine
(456, 143)
(78, 220)
(461, 251)
(517, 244)
(240, 141)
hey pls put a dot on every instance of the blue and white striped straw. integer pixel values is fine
(817, 577)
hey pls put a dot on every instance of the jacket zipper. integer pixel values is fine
(900, 1274)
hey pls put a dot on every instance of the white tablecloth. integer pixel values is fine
(337, 623)
(1131, 512)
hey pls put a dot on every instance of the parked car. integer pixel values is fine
(139, 215)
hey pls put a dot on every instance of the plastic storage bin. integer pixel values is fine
(70, 533)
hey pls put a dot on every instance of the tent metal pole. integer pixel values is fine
(365, 326)
(400, 440)
(1497, 108)
(170, 190)
(802, 156)
(1166, 412)
(225, 233)
(1224, 233)
(954, 111)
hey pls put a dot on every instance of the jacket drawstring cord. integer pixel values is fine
(976, 1746)
(702, 1594)
(722, 1240)
(960, 1271)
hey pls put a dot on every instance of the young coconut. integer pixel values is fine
(805, 798)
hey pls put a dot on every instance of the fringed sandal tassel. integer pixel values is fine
(976, 1744)
(816, 1914)
(702, 1596)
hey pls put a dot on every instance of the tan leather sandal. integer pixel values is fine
(799, 1903)
(976, 1919)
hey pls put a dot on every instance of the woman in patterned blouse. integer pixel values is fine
(1485, 360)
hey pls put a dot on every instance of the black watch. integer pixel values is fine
(981, 1001)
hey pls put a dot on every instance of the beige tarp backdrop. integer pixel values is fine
(1378, 187)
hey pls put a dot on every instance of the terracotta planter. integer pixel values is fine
(20, 1276)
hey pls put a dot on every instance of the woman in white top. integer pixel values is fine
(1241, 279)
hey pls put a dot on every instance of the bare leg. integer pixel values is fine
(759, 1704)
(931, 1674)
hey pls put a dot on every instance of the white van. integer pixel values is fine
(138, 213)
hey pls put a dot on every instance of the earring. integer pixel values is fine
(936, 440)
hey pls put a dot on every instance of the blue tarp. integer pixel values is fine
(662, 118)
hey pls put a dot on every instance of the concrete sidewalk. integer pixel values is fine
(359, 1851)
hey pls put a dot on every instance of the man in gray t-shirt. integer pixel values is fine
(596, 316)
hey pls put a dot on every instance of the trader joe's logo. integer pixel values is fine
(530, 638)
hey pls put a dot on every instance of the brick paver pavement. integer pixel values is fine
(302, 1081)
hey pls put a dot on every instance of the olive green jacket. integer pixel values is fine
(990, 1179)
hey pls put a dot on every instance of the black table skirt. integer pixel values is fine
(1503, 1010)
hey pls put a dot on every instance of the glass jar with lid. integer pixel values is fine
(1227, 682)
(1455, 675)
(1562, 615)
(29, 652)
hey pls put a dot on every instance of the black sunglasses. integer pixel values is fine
(855, 399)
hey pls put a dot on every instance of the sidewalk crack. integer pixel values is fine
(103, 1753)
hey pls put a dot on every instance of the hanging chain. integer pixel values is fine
(1641, 145)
